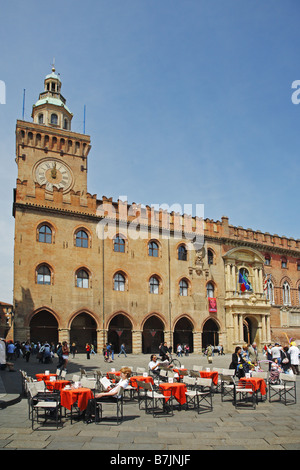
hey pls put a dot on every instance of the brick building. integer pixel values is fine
(98, 270)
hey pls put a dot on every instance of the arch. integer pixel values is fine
(83, 329)
(153, 333)
(210, 332)
(120, 331)
(183, 333)
(43, 325)
(234, 252)
(182, 252)
(250, 329)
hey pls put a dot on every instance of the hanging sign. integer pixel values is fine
(212, 304)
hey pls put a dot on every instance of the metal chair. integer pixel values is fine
(227, 387)
(201, 396)
(114, 401)
(285, 390)
(153, 398)
(49, 405)
(245, 395)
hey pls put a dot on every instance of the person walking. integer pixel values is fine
(122, 350)
(73, 350)
(65, 354)
(88, 350)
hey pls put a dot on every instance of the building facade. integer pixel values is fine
(97, 270)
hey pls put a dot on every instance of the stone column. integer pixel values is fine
(197, 340)
(137, 341)
(101, 340)
(241, 328)
(64, 335)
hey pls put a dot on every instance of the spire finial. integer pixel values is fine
(53, 65)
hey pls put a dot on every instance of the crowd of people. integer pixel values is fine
(280, 359)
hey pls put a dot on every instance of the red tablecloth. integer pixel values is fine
(213, 374)
(56, 384)
(258, 382)
(40, 377)
(80, 395)
(133, 383)
(178, 391)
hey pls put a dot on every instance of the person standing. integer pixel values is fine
(27, 350)
(73, 350)
(294, 357)
(276, 353)
(252, 353)
(88, 350)
(65, 354)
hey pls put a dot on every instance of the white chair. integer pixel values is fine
(140, 370)
(155, 401)
(201, 396)
(245, 395)
(50, 408)
(285, 391)
(227, 386)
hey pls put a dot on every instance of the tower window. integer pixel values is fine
(45, 234)
(54, 119)
(44, 275)
(41, 119)
(210, 257)
(66, 124)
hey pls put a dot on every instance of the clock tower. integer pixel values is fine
(48, 153)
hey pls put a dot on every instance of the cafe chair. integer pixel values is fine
(116, 402)
(155, 401)
(63, 374)
(285, 390)
(58, 372)
(190, 382)
(163, 375)
(88, 383)
(49, 406)
(245, 395)
(140, 370)
(227, 387)
(217, 388)
(201, 397)
(75, 378)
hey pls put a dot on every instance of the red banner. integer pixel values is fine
(212, 305)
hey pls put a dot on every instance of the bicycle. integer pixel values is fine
(173, 361)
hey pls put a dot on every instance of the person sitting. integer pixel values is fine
(110, 395)
(237, 362)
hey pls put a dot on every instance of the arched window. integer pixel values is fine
(286, 293)
(267, 260)
(119, 244)
(210, 257)
(66, 123)
(270, 291)
(82, 239)
(210, 290)
(283, 262)
(43, 275)
(182, 253)
(82, 279)
(45, 234)
(183, 288)
(153, 249)
(41, 118)
(154, 285)
(119, 282)
(54, 119)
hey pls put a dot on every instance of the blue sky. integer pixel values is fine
(187, 102)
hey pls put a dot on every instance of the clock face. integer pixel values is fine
(53, 173)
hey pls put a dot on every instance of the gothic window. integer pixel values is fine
(183, 288)
(153, 249)
(286, 293)
(154, 285)
(210, 290)
(43, 275)
(82, 239)
(283, 263)
(119, 244)
(210, 257)
(82, 279)
(270, 291)
(119, 282)
(182, 253)
(45, 234)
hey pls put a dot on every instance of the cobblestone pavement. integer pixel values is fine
(271, 426)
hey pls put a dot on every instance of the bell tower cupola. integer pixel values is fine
(51, 109)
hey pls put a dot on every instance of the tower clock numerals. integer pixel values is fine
(53, 173)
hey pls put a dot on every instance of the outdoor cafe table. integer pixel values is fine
(44, 377)
(133, 380)
(177, 389)
(68, 397)
(258, 383)
(56, 384)
(213, 374)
